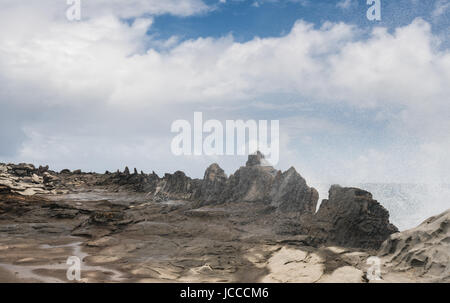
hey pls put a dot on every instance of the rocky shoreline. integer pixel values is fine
(256, 225)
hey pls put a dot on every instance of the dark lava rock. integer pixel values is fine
(351, 218)
(49, 178)
(22, 169)
(257, 182)
(42, 169)
(255, 160)
(179, 186)
(291, 193)
(249, 184)
(65, 171)
(135, 182)
(213, 184)
(4, 189)
(105, 217)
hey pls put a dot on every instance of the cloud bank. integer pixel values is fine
(101, 93)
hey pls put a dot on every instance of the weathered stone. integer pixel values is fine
(351, 218)
(126, 170)
(22, 169)
(20, 172)
(3, 168)
(4, 189)
(49, 178)
(35, 178)
(249, 184)
(179, 186)
(255, 160)
(261, 183)
(213, 184)
(424, 249)
(291, 193)
(42, 169)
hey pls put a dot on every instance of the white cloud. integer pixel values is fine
(120, 8)
(345, 4)
(104, 64)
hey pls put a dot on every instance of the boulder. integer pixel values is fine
(42, 169)
(22, 169)
(36, 179)
(351, 218)
(49, 178)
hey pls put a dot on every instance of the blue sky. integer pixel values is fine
(245, 20)
(357, 100)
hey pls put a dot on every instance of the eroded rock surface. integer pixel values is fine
(258, 224)
(213, 185)
(259, 182)
(351, 218)
(424, 250)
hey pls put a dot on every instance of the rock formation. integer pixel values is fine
(255, 182)
(424, 249)
(179, 186)
(22, 179)
(351, 218)
(250, 183)
(290, 192)
(258, 182)
(258, 224)
(213, 184)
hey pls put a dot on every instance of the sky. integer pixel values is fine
(358, 101)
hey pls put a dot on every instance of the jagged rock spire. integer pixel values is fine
(255, 159)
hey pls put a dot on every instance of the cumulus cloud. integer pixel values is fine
(119, 8)
(120, 92)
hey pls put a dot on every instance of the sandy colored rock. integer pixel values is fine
(424, 250)
(131, 227)
(294, 266)
(345, 274)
